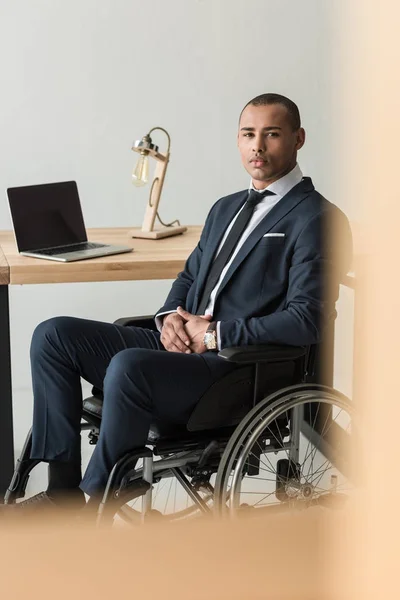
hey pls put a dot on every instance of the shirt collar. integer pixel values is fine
(283, 185)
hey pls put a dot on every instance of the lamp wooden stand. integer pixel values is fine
(148, 230)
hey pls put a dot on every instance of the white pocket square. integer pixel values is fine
(274, 235)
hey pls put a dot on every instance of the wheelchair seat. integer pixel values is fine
(218, 412)
(221, 407)
(92, 412)
(167, 438)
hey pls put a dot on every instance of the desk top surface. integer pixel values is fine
(151, 259)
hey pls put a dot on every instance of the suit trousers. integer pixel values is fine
(141, 383)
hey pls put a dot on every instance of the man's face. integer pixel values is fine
(267, 143)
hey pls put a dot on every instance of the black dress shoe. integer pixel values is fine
(29, 506)
(41, 503)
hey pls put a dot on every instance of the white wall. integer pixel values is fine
(82, 79)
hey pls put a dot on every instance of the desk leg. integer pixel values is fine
(6, 417)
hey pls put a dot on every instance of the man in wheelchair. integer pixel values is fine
(236, 326)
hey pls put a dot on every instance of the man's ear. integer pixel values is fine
(301, 138)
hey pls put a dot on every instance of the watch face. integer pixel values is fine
(210, 341)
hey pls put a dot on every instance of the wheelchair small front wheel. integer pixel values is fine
(292, 451)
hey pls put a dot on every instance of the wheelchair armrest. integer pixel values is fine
(146, 322)
(262, 353)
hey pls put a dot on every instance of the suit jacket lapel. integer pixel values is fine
(217, 232)
(282, 208)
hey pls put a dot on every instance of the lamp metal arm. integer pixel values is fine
(166, 133)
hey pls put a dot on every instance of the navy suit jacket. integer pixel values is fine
(279, 290)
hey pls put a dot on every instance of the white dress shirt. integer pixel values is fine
(280, 188)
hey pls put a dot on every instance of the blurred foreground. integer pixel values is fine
(279, 558)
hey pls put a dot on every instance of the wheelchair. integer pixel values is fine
(264, 438)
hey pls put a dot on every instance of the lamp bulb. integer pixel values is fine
(140, 174)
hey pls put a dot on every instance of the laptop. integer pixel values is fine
(48, 223)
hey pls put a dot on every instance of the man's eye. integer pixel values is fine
(248, 134)
(273, 134)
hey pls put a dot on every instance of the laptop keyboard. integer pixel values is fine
(72, 248)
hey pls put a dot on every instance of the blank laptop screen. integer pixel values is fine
(46, 215)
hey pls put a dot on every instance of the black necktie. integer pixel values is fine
(229, 246)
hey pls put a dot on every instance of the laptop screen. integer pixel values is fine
(46, 215)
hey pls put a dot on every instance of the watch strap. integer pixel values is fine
(212, 327)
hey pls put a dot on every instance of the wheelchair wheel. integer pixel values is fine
(170, 501)
(291, 451)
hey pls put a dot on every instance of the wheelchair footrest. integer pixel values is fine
(132, 490)
(19, 480)
(110, 505)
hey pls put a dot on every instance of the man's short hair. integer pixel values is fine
(291, 107)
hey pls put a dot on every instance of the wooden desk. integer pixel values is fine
(161, 259)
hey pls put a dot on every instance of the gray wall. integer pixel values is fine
(81, 80)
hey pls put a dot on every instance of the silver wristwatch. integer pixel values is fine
(210, 337)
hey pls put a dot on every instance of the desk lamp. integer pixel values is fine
(140, 176)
